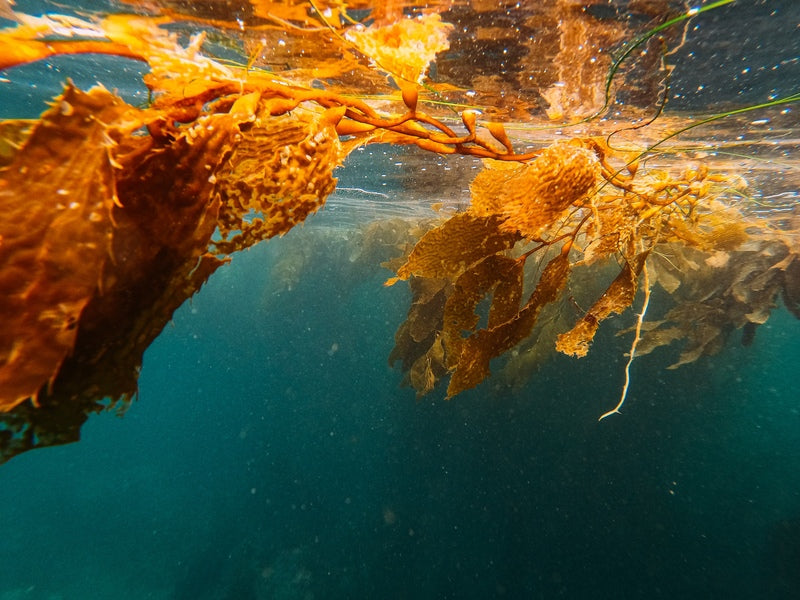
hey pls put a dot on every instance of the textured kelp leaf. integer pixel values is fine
(55, 198)
(425, 314)
(169, 192)
(508, 293)
(280, 172)
(450, 249)
(484, 345)
(112, 216)
(166, 197)
(110, 238)
(616, 299)
(496, 272)
(531, 197)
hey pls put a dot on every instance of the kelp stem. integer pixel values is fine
(635, 343)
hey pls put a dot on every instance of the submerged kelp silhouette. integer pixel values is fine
(115, 214)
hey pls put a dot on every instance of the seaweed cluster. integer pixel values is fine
(114, 214)
(568, 210)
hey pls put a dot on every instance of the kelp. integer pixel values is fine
(530, 197)
(115, 214)
(470, 237)
(110, 213)
(52, 254)
(282, 171)
(719, 294)
(577, 204)
(618, 297)
(105, 236)
(472, 364)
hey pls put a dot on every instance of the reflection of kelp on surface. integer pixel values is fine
(512, 60)
(551, 56)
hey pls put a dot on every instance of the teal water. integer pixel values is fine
(273, 454)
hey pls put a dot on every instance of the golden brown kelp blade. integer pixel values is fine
(55, 198)
(530, 197)
(497, 274)
(281, 171)
(618, 297)
(107, 239)
(480, 348)
(448, 250)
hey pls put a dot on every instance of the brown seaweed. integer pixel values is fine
(111, 210)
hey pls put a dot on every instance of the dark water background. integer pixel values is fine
(273, 454)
